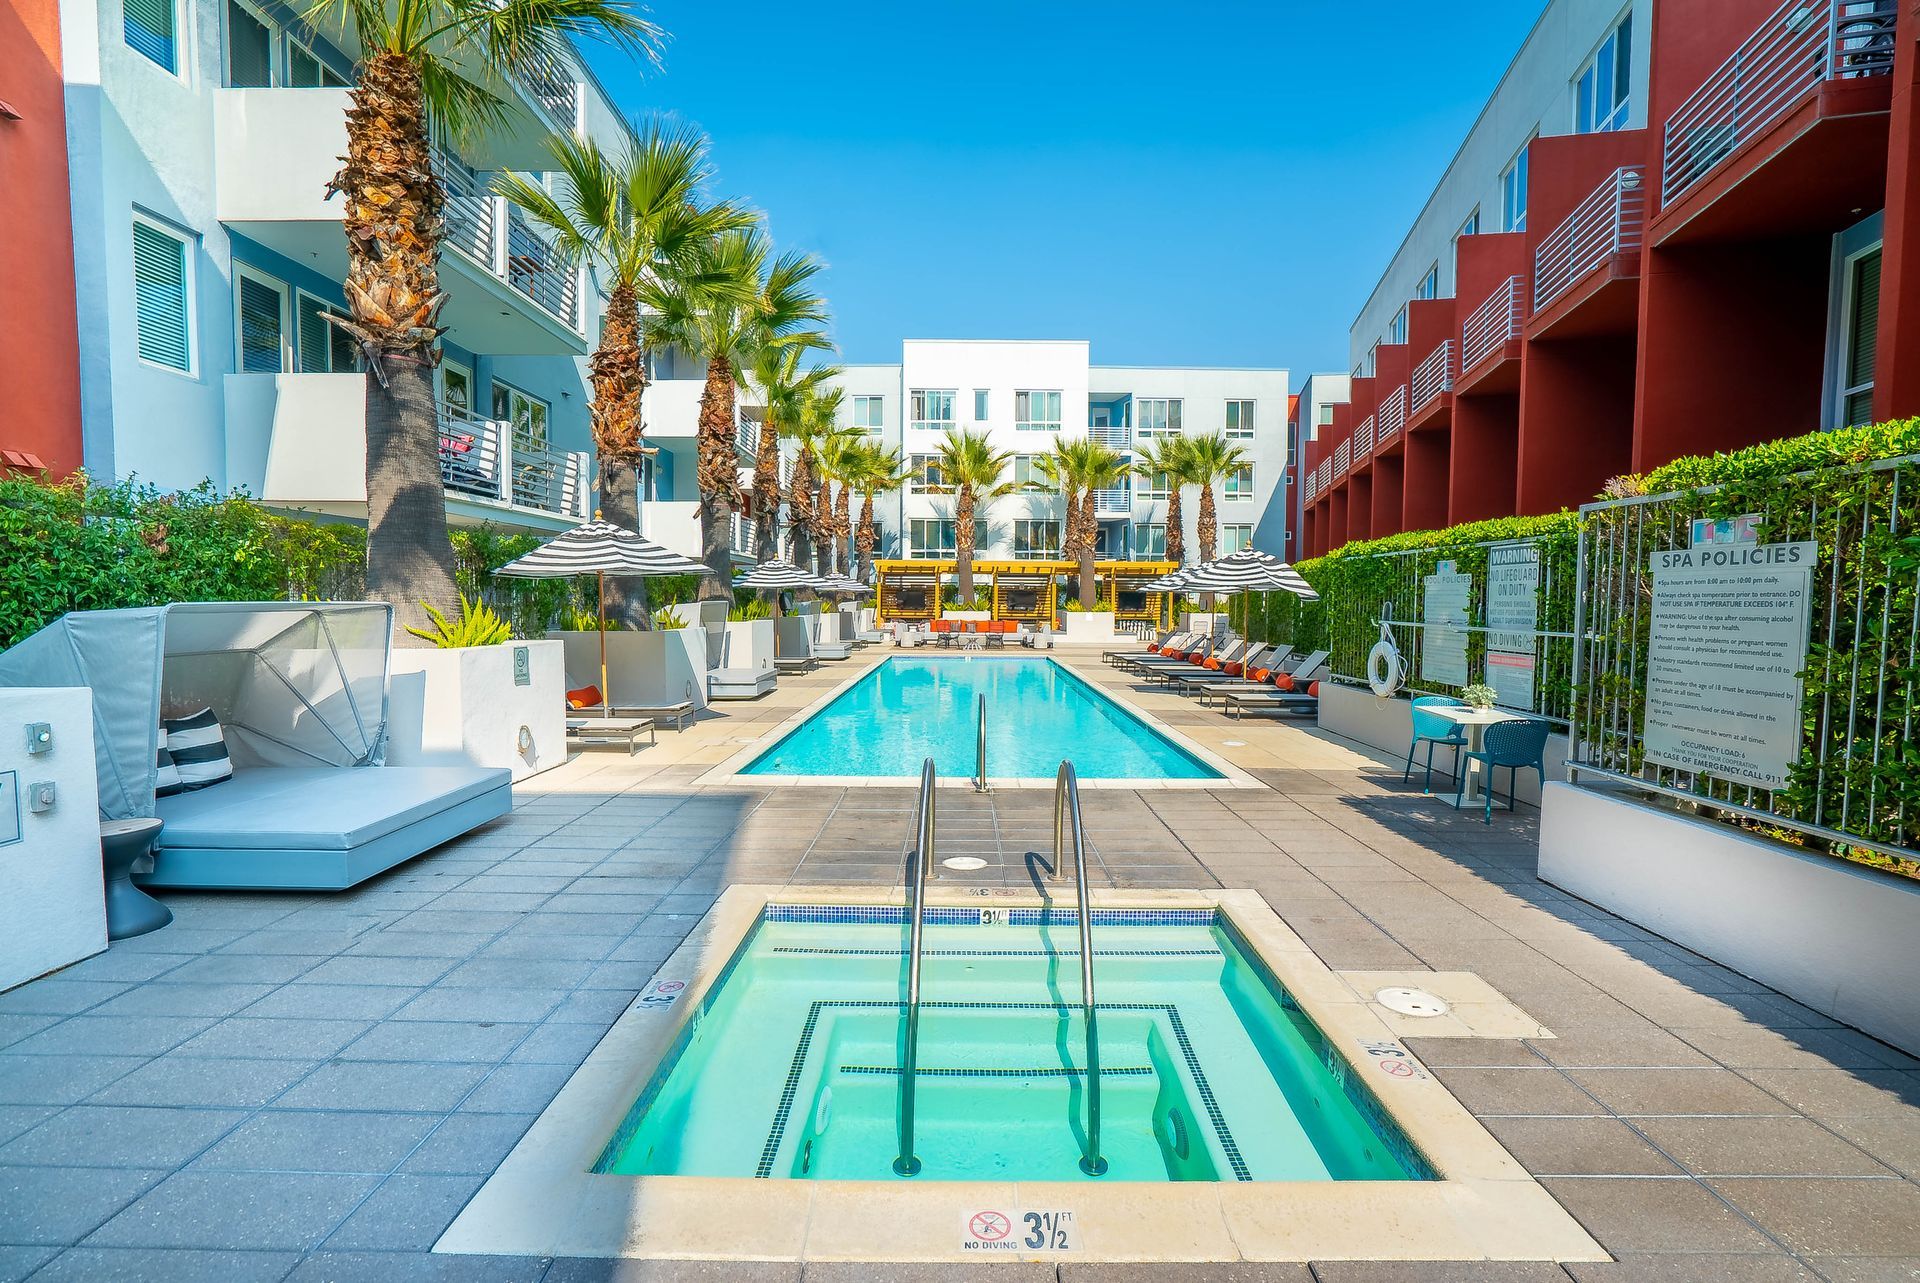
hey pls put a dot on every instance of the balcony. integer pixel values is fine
(1432, 378)
(1595, 249)
(1113, 436)
(1392, 415)
(508, 293)
(1490, 336)
(1342, 459)
(299, 441)
(1115, 501)
(1363, 438)
(1805, 97)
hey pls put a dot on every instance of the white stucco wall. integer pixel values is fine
(50, 881)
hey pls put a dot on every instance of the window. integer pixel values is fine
(152, 28)
(1157, 415)
(1859, 337)
(456, 389)
(931, 409)
(1029, 471)
(931, 537)
(1601, 89)
(1240, 418)
(306, 71)
(162, 295)
(1397, 328)
(1471, 227)
(249, 48)
(1036, 411)
(526, 412)
(1150, 540)
(1036, 538)
(1158, 486)
(325, 348)
(1324, 415)
(868, 411)
(1235, 538)
(980, 405)
(1513, 193)
(259, 322)
(925, 474)
(1366, 366)
(1239, 484)
(1429, 286)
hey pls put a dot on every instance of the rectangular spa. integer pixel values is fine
(790, 1069)
(910, 708)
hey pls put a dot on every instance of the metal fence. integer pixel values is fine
(1856, 782)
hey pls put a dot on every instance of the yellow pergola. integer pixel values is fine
(1023, 591)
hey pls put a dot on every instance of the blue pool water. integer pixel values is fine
(909, 709)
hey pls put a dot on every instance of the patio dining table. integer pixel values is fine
(1475, 721)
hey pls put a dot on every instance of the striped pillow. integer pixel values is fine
(166, 780)
(198, 748)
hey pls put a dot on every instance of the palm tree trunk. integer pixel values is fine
(1176, 531)
(800, 510)
(766, 492)
(1083, 553)
(963, 544)
(867, 538)
(618, 372)
(1207, 532)
(719, 478)
(393, 228)
(843, 530)
(822, 526)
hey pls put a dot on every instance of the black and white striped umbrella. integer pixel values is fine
(775, 573)
(844, 584)
(1172, 582)
(1248, 570)
(601, 548)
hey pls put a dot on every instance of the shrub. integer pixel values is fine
(478, 625)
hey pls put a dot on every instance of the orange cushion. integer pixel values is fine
(1260, 674)
(1314, 690)
(943, 625)
(1235, 669)
(585, 697)
(1284, 681)
(1210, 663)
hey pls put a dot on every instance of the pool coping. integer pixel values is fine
(545, 1200)
(730, 771)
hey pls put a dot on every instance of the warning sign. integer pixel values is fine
(661, 994)
(1018, 1232)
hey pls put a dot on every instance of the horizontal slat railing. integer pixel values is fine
(1492, 325)
(1432, 376)
(1393, 414)
(1603, 225)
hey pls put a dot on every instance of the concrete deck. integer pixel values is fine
(311, 1087)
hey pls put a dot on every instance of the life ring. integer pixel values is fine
(1384, 668)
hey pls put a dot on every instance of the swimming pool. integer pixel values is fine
(911, 708)
(1209, 1070)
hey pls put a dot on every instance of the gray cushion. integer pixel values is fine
(318, 808)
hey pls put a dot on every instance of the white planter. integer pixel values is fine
(748, 644)
(1087, 628)
(476, 705)
(652, 669)
(50, 878)
(1836, 936)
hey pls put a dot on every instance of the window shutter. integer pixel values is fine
(160, 297)
(1863, 327)
(249, 49)
(261, 327)
(149, 30)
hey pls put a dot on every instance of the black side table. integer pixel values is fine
(130, 911)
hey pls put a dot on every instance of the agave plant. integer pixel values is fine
(668, 617)
(478, 625)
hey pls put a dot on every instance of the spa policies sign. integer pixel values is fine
(1729, 640)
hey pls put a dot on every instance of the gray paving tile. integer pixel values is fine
(1758, 1147)
(1516, 1091)
(60, 1205)
(206, 1082)
(481, 1004)
(413, 1267)
(166, 1265)
(121, 964)
(518, 1089)
(384, 1085)
(1185, 1272)
(229, 968)
(1676, 1091)
(278, 939)
(59, 1080)
(250, 1211)
(893, 1272)
(119, 1136)
(15, 1119)
(1550, 1146)
(18, 1262)
(468, 1144)
(358, 969)
(58, 996)
(15, 1028)
(111, 1036)
(1693, 1267)
(168, 999)
(319, 1141)
(407, 1212)
(1438, 1272)
(557, 1042)
(575, 1269)
(246, 1036)
(468, 1040)
(1653, 1215)
(1817, 1217)
(303, 1001)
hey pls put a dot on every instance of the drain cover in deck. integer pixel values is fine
(963, 863)
(1411, 1002)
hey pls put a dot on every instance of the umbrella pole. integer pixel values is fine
(605, 695)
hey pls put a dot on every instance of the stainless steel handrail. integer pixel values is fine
(980, 748)
(1066, 820)
(907, 1164)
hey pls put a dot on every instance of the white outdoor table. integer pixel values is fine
(1476, 721)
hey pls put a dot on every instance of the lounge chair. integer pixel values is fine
(1175, 649)
(1299, 696)
(1152, 647)
(1207, 666)
(1219, 671)
(1255, 674)
(679, 712)
(795, 663)
(612, 730)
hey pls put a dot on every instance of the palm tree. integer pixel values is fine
(787, 390)
(815, 420)
(638, 216)
(974, 471)
(880, 471)
(1209, 458)
(413, 65)
(1079, 466)
(735, 299)
(840, 461)
(1166, 457)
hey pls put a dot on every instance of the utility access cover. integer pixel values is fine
(1411, 1002)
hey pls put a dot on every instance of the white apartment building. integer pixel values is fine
(1024, 395)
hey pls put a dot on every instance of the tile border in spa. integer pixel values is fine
(729, 771)
(544, 1200)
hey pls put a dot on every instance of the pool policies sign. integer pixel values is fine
(1728, 644)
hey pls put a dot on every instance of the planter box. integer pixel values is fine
(1836, 936)
(1356, 713)
(50, 876)
(469, 706)
(1086, 628)
(644, 670)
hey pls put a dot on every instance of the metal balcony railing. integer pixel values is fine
(472, 214)
(1342, 458)
(539, 271)
(501, 240)
(1392, 414)
(1113, 436)
(1493, 324)
(1363, 438)
(1603, 225)
(1432, 376)
(1115, 501)
(480, 458)
(553, 86)
(1803, 43)
(746, 437)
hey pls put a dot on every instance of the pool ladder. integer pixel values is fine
(1066, 825)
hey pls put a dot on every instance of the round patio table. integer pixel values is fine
(130, 911)
(1476, 721)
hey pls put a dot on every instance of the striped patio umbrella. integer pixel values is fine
(1172, 582)
(838, 584)
(1248, 570)
(777, 574)
(600, 548)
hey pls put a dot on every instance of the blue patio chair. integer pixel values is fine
(1514, 744)
(1434, 731)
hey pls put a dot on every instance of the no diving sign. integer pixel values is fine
(660, 994)
(1018, 1231)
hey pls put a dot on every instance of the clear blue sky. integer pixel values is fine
(1206, 184)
